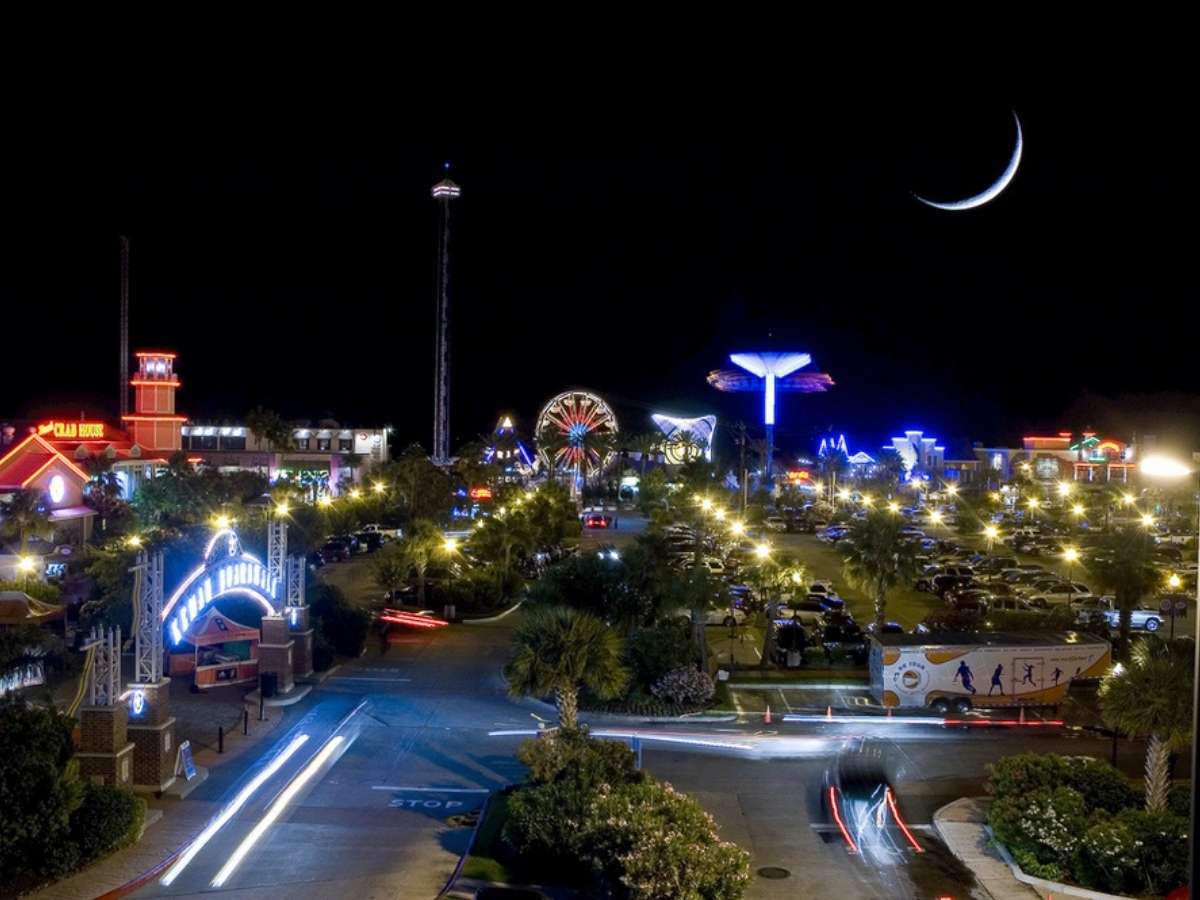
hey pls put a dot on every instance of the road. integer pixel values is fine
(396, 745)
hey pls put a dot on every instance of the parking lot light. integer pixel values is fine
(893, 507)
(379, 487)
(1174, 582)
(719, 514)
(1078, 510)
(355, 494)
(762, 551)
(737, 528)
(1148, 520)
(325, 500)
(952, 490)
(991, 532)
(1064, 488)
(134, 540)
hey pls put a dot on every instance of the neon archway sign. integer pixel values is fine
(227, 569)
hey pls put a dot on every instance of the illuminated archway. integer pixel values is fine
(226, 570)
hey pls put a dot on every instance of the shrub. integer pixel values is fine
(1108, 856)
(344, 625)
(1045, 823)
(1162, 847)
(108, 819)
(654, 651)
(322, 652)
(1101, 786)
(651, 842)
(687, 686)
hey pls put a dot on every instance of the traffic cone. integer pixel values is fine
(1022, 719)
(829, 713)
(767, 715)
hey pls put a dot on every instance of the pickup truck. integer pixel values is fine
(1143, 618)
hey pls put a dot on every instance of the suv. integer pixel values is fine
(944, 584)
(335, 551)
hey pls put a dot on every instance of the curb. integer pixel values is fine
(462, 860)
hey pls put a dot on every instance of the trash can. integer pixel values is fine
(269, 684)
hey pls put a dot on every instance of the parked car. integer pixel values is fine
(1144, 618)
(809, 613)
(775, 523)
(888, 628)
(370, 540)
(335, 551)
(822, 587)
(1058, 591)
(596, 520)
(721, 616)
(1010, 604)
(944, 584)
(834, 533)
(974, 600)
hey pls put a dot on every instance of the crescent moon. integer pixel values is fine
(997, 186)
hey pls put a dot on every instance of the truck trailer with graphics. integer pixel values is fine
(958, 671)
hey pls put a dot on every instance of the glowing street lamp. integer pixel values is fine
(991, 532)
(1078, 511)
(719, 515)
(868, 501)
(379, 487)
(952, 490)
(705, 504)
(134, 541)
(1147, 520)
(843, 494)
(936, 517)
(1128, 499)
(355, 494)
(762, 551)
(282, 508)
(893, 507)
(995, 496)
(222, 522)
(1174, 582)
(325, 500)
(737, 529)
(1070, 556)
(1166, 468)
(26, 566)
(1065, 488)
(450, 545)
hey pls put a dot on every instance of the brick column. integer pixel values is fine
(105, 751)
(275, 651)
(302, 636)
(152, 731)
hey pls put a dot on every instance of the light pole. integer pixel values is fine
(1167, 468)
(991, 532)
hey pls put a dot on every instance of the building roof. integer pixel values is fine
(28, 459)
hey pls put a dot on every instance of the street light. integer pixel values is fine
(355, 494)
(1129, 499)
(719, 515)
(325, 500)
(1078, 510)
(952, 490)
(843, 494)
(134, 540)
(868, 500)
(379, 487)
(935, 517)
(222, 522)
(737, 529)
(762, 551)
(1174, 582)
(450, 545)
(281, 509)
(991, 532)
(1165, 467)
(893, 507)
(1071, 555)
(1148, 520)
(1064, 488)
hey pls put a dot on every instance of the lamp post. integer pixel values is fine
(1167, 468)
(991, 532)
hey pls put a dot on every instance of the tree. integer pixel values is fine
(1152, 696)
(890, 467)
(269, 428)
(391, 568)
(498, 540)
(580, 444)
(613, 590)
(421, 489)
(646, 445)
(697, 591)
(880, 558)
(558, 650)
(1123, 562)
(419, 550)
(24, 517)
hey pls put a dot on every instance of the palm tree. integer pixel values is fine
(688, 446)
(1124, 564)
(646, 444)
(420, 548)
(270, 428)
(24, 517)
(558, 650)
(499, 539)
(880, 558)
(583, 446)
(1153, 696)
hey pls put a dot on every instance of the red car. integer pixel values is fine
(594, 520)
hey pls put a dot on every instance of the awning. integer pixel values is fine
(71, 512)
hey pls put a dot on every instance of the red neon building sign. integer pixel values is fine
(72, 431)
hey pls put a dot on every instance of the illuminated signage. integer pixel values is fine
(481, 493)
(76, 431)
(797, 476)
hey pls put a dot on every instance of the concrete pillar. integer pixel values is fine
(302, 637)
(105, 751)
(275, 651)
(152, 731)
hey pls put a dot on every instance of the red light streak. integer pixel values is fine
(400, 617)
(891, 802)
(837, 817)
(1039, 723)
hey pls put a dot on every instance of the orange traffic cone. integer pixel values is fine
(829, 713)
(767, 715)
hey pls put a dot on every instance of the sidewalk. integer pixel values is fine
(960, 826)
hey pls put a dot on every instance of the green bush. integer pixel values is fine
(1108, 856)
(1029, 864)
(650, 842)
(108, 819)
(1045, 823)
(654, 651)
(344, 625)
(1101, 786)
(322, 652)
(1162, 848)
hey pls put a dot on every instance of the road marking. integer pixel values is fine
(430, 790)
(366, 678)
(783, 697)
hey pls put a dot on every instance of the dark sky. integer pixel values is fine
(630, 259)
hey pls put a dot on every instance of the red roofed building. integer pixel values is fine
(35, 464)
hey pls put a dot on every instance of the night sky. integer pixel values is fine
(631, 262)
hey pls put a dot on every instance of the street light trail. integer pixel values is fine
(231, 809)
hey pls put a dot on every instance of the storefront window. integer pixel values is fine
(345, 444)
(301, 443)
(323, 444)
(233, 443)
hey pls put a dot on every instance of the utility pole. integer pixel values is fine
(443, 192)
(123, 387)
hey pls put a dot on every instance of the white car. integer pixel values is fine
(775, 523)
(714, 565)
(1056, 591)
(721, 616)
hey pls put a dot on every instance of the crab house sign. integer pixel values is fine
(72, 431)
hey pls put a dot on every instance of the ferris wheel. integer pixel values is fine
(574, 420)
